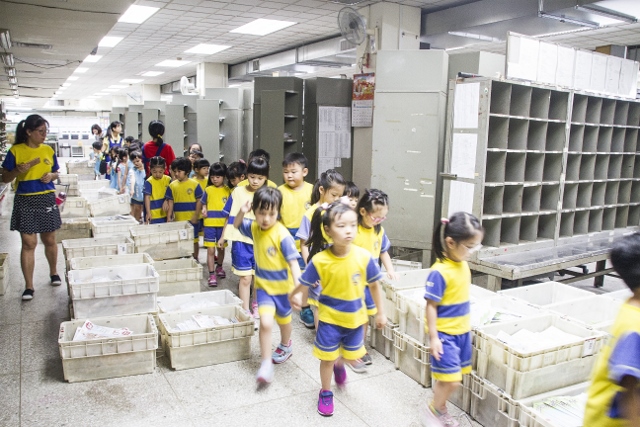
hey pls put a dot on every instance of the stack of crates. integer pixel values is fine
(204, 346)
(73, 228)
(84, 169)
(179, 276)
(76, 209)
(504, 375)
(116, 225)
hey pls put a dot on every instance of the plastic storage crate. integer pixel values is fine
(80, 248)
(113, 291)
(207, 346)
(382, 339)
(80, 167)
(68, 179)
(524, 374)
(597, 312)
(197, 301)
(490, 406)
(164, 241)
(99, 193)
(108, 261)
(179, 276)
(406, 280)
(104, 358)
(114, 205)
(117, 225)
(73, 228)
(622, 294)
(546, 294)
(462, 396)
(75, 207)
(412, 358)
(532, 417)
(4, 273)
(93, 184)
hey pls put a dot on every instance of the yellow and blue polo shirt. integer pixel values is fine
(294, 205)
(28, 183)
(448, 284)
(185, 195)
(215, 198)
(156, 189)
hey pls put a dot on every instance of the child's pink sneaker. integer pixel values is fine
(213, 281)
(220, 272)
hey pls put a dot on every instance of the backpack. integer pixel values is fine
(103, 165)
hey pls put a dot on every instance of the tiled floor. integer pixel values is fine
(34, 393)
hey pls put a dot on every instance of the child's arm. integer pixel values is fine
(147, 207)
(196, 216)
(304, 251)
(386, 262)
(237, 222)
(630, 400)
(169, 210)
(295, 269)
(432, 317)
(300, 293)
(376, 294)
(222, 240)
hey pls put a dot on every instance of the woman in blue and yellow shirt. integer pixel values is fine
(34, 166)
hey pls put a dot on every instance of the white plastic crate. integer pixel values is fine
(113, 291)
(73, 228)
(533, 417)
(93, 184)
(80, 248)
(412, 358)
(622, 294)
(406, 280)
(4, 273)
(597, 312)
(382, 339)
(164, 241)
(114, 205)
(109, 357)
(491, 406)
(524, 374)
(198, 301)
(80, 167)
(546, 294)
(207, 346)
(100, 193)
(179, 276)
(68, 179)
(75, 207)
(108, 261)
(462, 396)
(116, 225)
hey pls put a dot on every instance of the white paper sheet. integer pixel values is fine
(463, 155)
(466, 106)
(460, 197)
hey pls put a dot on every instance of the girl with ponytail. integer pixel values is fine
(157, 147)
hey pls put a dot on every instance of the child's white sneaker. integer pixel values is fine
(265, 373)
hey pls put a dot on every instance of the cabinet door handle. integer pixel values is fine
(451, 176)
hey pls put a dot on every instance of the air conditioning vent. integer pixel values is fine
(345, 45)
(255, 65)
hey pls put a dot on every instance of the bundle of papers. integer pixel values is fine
(563, 411)
(526, 341)
(196, 305)
(90, 331)
(202, 321)
(482, 313)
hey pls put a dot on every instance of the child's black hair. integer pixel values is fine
(258, 166)
(97, 145)
(323, 218)
(259, 152)
(98, 128)
(368, 201)
(114, 125)
(202, 163)
(295, 158)
(460, 227)
(197, 154)
(122, 154)
(156, 130)
(327, 180)
(218, 169)
(625, 254)
(267, 198)
(135, 155)
(351, 190)
(133, 147)
(129, 139)
(235, 170)
(31, 123)
(156, 161)
(181, 164)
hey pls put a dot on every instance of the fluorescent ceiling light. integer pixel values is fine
(73, 78)
(110, 90)
(137, 14)
(566, 20)
(151, 73)
(100, 94)
(207, 49)
(262, 27)
(93, 58)
(5, 39)
(81, 70)
(475, 36)
(66, 84)
(131, 81)
(110, 41)
(7, 58)
(172, 63)
(117, 86)
(19, 108)
(609, 13)
(11, 72)
(13, 80)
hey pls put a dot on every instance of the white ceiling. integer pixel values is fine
(182, 24)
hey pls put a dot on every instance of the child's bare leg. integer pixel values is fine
(211, 259)
(285, 333)
(220, 256)
(266, 327)
(326, 372)
(441, 392)
(244, 291)
(196, 250)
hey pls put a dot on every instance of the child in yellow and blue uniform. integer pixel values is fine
(277, 270)
(614, 395)
(184, 199)
(215, 197)
(448, 309)
(201, 169)
(372, 209)
(155, 188)
(344, 270)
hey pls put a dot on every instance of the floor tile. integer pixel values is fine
(10, 349)
(39, 348)
(10, 401)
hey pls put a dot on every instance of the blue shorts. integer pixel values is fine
(277, 306)
(196, 231)
(455, 359)
(212, 235)
(136, 202)
(333, 341)
(242, 259)
(201, 231)
(368, 300)
(158, 220)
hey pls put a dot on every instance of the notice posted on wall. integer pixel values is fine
(362, 100)
(334, 137)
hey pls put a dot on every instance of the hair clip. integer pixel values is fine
(345, 200)
(444, 221)
(325, 206)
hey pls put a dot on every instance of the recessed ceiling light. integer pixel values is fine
(81, 70)
(117, 86)
(72, 78)
(110, 41)
(262, 27)
(131, 81)
(66, 84)
(151, 73)
(173, 63)
(93, 58)
(100, 94)
(207, 49)
(110, 90)
(137, 14)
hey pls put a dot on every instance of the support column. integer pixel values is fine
(211, 75)
(150, 93)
